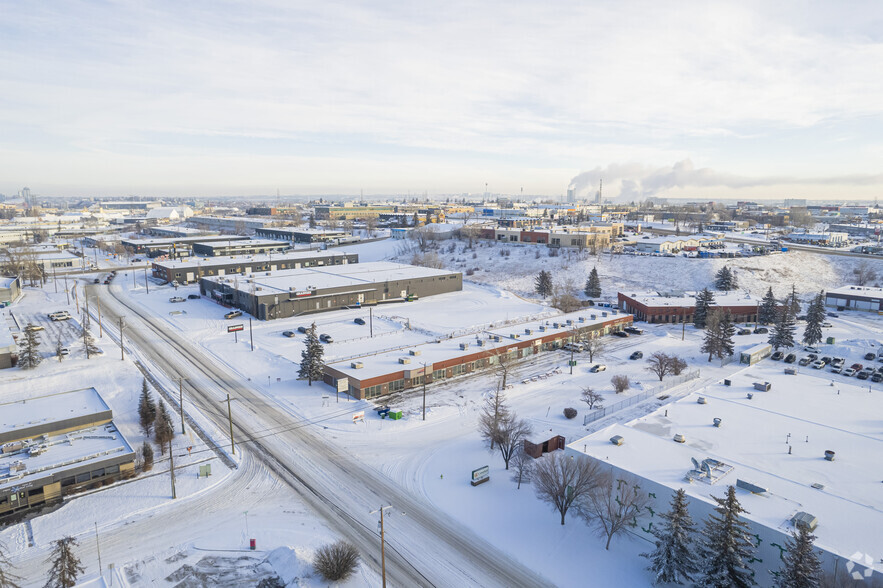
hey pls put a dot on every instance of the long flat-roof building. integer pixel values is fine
(656, 307)
(191, 269)
(856, 298)
(286, 293)
(55, 445)
(302, 235)
(176, 246)
(249, 247)
(391, 371)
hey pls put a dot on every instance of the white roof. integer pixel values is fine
(752, 439)
(857, 291)
(355, 274)
(49, 409)
(257, 258)
(243, 243)
(689, 299)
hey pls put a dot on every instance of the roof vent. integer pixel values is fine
(582, 319)
(617, 440)
(515, 335)
(805, 520)
(414, 352)
(480, 342)
(528, 331)
(464, 346)
(357, 365)
(404, 360)
(829, 455)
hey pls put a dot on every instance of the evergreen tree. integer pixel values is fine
(727, 546)
(767, 313)
(7, 578)
(146, 456)
(815, 316)
(704, 300)
(311, 357)
(725, 279)
(29, 352)
(793, 302)
(593, 284)
(544, 283)
(782, 333)
(66, 566)
(802, 568)
(674, 560)
(726, 332)
(146, 409)
(711, 340)
(163, 431)
(59, 347)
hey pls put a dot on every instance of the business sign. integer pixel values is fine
(359, 416)
(343, 384)
(205, 471)
(304, 293)
(480, 475)
(235, 328)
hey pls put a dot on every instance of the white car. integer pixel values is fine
(849, 372)
(176, 299)
(598, 367)
(811, 349)
(818, 364)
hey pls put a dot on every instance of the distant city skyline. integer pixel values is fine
(748, 101)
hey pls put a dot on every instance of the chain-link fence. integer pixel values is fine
(632, 400)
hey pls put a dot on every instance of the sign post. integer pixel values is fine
(235, 329)
(480, 476)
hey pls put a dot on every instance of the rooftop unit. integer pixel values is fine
(357, 365)
(404, 360)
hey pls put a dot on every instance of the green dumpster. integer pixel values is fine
(395, 415)
(830, 341)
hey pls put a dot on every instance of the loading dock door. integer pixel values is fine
(272, 268)
(189, 277)
(220, 272)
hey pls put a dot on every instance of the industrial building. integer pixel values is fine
(179, 231)
(8, 348)
(856, 298)
(52, 446)
(662, 307)
(392, 371)
(249, 247)
(10, 290)
(303, 235)
(191, 269)
(287, 293)
(176, 246)
(236, 224)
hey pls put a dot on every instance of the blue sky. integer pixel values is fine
(740, 99)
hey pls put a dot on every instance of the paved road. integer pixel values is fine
(427, 548)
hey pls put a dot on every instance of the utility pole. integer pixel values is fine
(55, 280)
(76, 299)
(172, 469)
(683, 324)
(382, 543)
(66, 292)
(134, 283)
(98, 549)
(250, 333)
(424, 391)
(371, 321)
(122, 351)
(181, 401)
(146, 283)
(100, 327)
(230, 417)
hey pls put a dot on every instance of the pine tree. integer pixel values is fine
(711, 341)
(593, 285)
(146, 409)
(726, 332)
(66, 566)
(793, 302)
(802, 568)
(7, 578)
(29, 352)
(767, 313)
(704, 300)
(163, 431)
(815, 316)
(544, 283)
(727, 546)
(782, 333)
(311, 366)
(146, 456)
(725, 279)
(674, 560)
(88, 342)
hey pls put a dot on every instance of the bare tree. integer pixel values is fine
(864, 273)
(522, 467)
(7, 578)
(660, 364)
(592, 346)
(620, 383)
(614, 505)
(492, 414)
(336, 561)
(564, 481)
(512, 433)
(592, 398)
(676, 365)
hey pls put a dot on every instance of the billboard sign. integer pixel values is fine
(480, 475)
(359, 416)
(235, 328)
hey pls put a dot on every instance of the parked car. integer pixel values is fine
(233, 314)
(620, 333)
(96, 281)
(776, 356)
(870, 356)
(634, 330)
(176, 299)
(325, 338)
(877, 377)
(35, 328)
(804, 361)
(302, 329)
(790, 358)
(744, 332)
(761, 330)
(193, 296)
(849, 372)
(827, 324)
(359, 321)
(288, 333)
(839, 361)
(836, 369)
(64, 351)
(61, 315)
(818, 364)
(811, 349)
(863, 375)
(826, 359)
(857, 366)
(834, 314)
(636, 355)
(598, 367)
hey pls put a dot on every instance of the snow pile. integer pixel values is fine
(288, 565)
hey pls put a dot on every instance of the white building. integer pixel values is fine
(856, 298)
